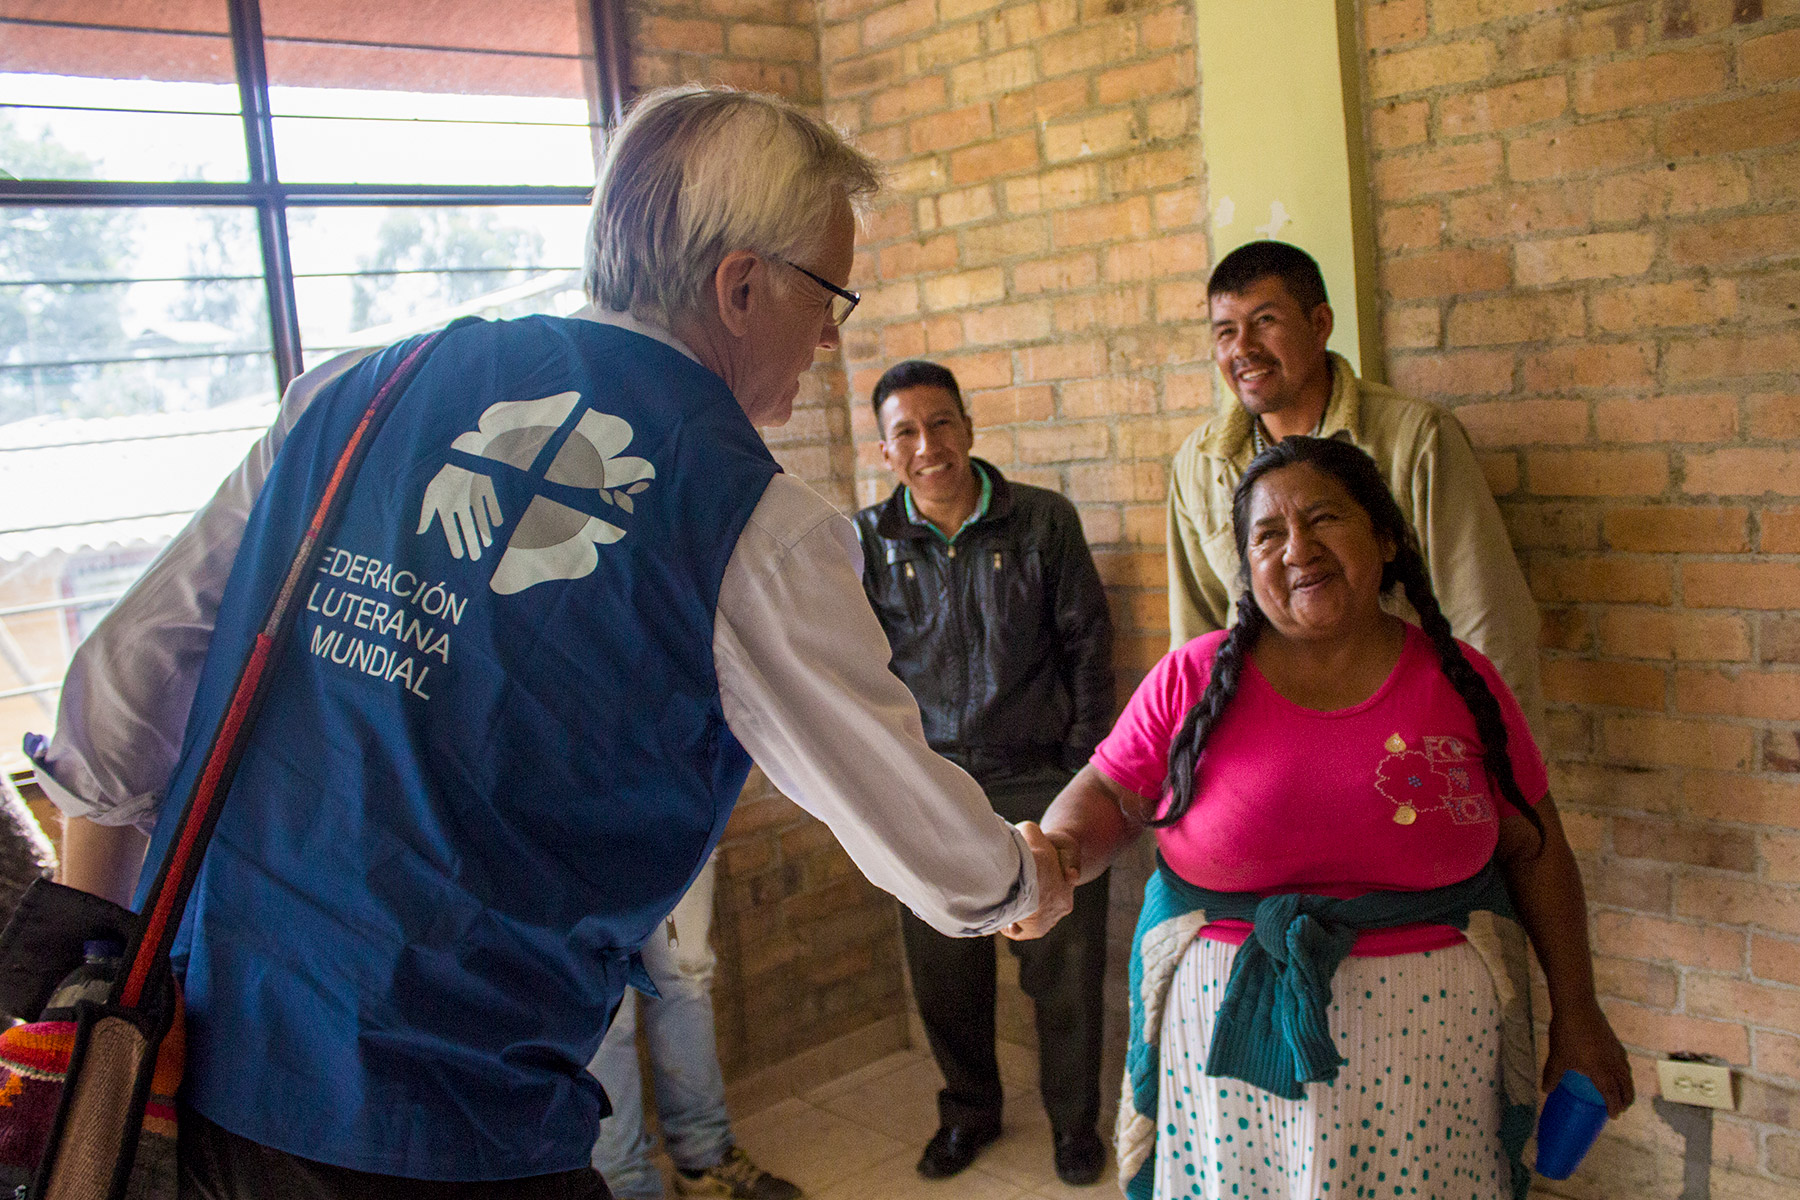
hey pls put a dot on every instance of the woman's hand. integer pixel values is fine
(1581, 1039)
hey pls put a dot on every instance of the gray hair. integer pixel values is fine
(694, 173)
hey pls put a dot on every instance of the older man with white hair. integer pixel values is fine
(427, 889)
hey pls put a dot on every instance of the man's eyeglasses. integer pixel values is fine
(843, 303)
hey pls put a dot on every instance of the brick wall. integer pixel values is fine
(1588, 216)
(1589, 224)
(808, 950)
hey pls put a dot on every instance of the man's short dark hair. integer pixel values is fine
(915, 372)
(1255, 261)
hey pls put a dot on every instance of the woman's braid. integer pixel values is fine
(1203, 717)
(1490, 726)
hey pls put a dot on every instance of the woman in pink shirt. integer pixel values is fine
(1353, 806)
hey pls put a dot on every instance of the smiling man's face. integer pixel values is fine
(1270, 350)
(925, 441)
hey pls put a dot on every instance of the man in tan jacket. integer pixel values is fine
(1270, 323)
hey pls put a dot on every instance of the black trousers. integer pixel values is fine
(1062, 972)
(216, 1164)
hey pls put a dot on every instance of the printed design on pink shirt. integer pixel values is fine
(1441, 777)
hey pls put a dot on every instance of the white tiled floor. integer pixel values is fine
(859, 1137)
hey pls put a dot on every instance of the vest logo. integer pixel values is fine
(553, 539)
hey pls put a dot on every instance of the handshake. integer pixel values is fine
(1058, 859)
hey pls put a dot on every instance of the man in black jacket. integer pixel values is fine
(999, 627)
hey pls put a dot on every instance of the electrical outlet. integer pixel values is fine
(1695, 1083)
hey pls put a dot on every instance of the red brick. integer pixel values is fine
(1062, 188)
(958, 127)
(1525, 422)
(1415, 327)
(1665, 305)
(1556, 527)
(1170, 73)
(1151, 169)
(1453, 168)
(1409, 227)
(1501, 471)
(1007, 239)
(1063, 442)
(1729, 356)
(911, 98)
(1770, 58)
(1774, 695)
(1613, 789)
(951, 46)
(1401, 71)
(1179, 208)
(1780, 531)
(1171, 26)
(1507, 107)
(1065, 273)
(1623, 979)
(1002, 323)
(1137, 481)
(1659, 79)
(986, 369)
(1087, 136)
(1737, 999)
(1589, 256)
(1746, 472)
(1110, 396)
(1738, 902)
(1445, 273)
(1759, 239)
(1666, 741)
(1732, 126)
(1707, 846)
(1459, 14)
(1395, 126)
(1777, 1054)
(781, 43)
(1091, 47)
(861, 74)
(1664, 1033)
(1394, 23)
(1042, 102)
(1781, 856)
(683, 36)
(998, 74)
(1590, 366)
(897, 21)
(1102, 223)
(1597, 472)
(1466, 373)
(1729, 796)
(1582, 150)
(1759, 585)
(1161, 346)
(1660, 191)
(1605, 579)
(1117, 308)
(916, 258)
(1707, 530)
(1529, 317)
(1181, 254)
(1670, 417)
(964, 289)
(1512, 213)
(1152, 437)
(1657, 940)
(1009, 406)
(1002, 156)
(1613, 684)
(1068, 360)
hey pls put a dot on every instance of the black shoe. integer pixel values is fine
(954, 1147)
(1080, 1155)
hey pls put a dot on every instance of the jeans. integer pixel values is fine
(684, 1059)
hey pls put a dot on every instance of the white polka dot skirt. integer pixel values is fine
(1416, 1112)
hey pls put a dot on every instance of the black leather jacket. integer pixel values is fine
(1003, 637)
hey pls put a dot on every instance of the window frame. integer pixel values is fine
(604, 56)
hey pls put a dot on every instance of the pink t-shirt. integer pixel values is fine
(1389, 794)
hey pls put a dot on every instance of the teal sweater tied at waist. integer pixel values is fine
(1272, 1030)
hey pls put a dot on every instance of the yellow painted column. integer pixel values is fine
(1281, 115)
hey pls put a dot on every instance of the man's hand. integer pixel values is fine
(1058, 860)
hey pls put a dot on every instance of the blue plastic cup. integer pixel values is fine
(1573, 1116)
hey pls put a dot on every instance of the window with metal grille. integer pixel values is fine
(201, 198)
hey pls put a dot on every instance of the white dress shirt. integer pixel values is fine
(802, 667)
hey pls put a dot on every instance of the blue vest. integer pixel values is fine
(487, 766)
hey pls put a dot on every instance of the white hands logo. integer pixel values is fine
(552, 540)
(466, 504)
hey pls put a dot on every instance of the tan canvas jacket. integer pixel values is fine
(1431, 468)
